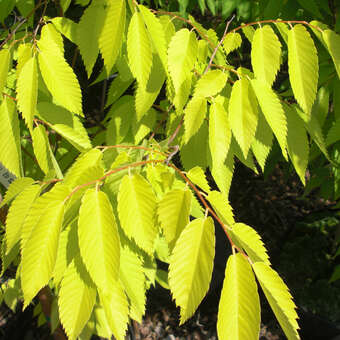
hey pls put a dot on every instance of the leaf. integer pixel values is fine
(243, 114)
(265, 54)
(219, 133)
(194, 115)
(232, 42)
(249, 32)
(17, 214)
(273, 111)
(133, 279)
(27, 91)
(194, 251)
(59, 76)
(5, 59)
(221, 206)
(116, 309)
(98, 239)
(81, 165)
(250, 241)
(157, 34)
(141, 129)
(197, 176)
(211, 83)
(15, 188)
(137, 207)
(66, 27)
(263, 141)
(77, 297)
(40, 236)
(88, 33)
(50, 35)
(332, 41)
(10, 150)
(181, 56)
(117, 88)
(42, 149)
(239, 312)
(298, 144)
(111, 36)
(303, 67)
(173, 213)
(139, 49)
(279, 298)
(333, 133)
(66, 124)
(24, 54)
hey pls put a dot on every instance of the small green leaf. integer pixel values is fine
(197, 176)
(211, 83)
(332, 41)
(232, 42)
(222, 207)
(5, 59)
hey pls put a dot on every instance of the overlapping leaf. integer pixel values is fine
(243, 114)
(265, 54)
(10, 149)
(15, 188)
(211, 83)
(58, 75)
(139, 49)
(66, 124)
(221, 205)
(232, 42)
(302, 66)
(197, 176)
(173, 213)
(194, 251)
(5, 58)
(39, 242)
(111, 36)
(219, 133)
(77, 297)
(279, 298)
(24, 54)
(136, 208)
(27, 90)
(332, 41)
(239, 308)
(194, 115)
(98, 239)
(66, 27)
(17, 214)
(181, 56)
(273, 111)
(88, 32)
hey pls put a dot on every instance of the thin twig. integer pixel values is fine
(173, 136)
(218, 45)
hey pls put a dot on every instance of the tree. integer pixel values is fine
(97, 199)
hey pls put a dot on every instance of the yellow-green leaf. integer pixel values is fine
(232, 42)
(5, 58)
(298, 144)
(243, 114)
(17, 214)
(139, 49)
(182, 53)
(77, 297)
(265, 54)
(239, 308)
(111, 36)
(197, 176)
(219, 133)
(27, 90)
(211, 83)
(173, 213)
(116, 309)
(59, 76)
(332, 41)
(98, 239)
(133, 279)
(24, 54)
(250, 241)
(66, 27)
(194, 251)
(221, 206)
(49, 35)
(88, 32)
(273, 111)
(303, 67)
(66, 124)
(136, 208)
(194, 115)
(279, 298)
(40, 236)
(15, 188)
(10, 149)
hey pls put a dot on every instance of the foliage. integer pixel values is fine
(99, 200)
